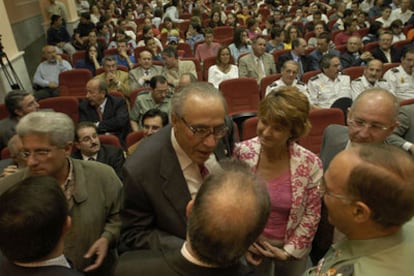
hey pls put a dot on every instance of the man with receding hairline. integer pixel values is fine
(368, 191)
(141, 75)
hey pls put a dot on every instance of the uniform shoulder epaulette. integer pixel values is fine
(395, 70)
(274, 84)
(358, 79)
(145, 92)
(382, 80)
(301, 83)
(314, 78)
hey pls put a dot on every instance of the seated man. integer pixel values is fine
(16, 161)
(46, 77)
(122, 58)
(34, 219)
(350, 27)
(90, 148)
(403, 135)
(214, 243)
(165, 171)
(297, 54)
(93, 191)
(18, 104)
(141, 75)
(81, 33)
(174, 67)
(330, 85)
(401, 78)
(152, 121)
(368, 191)
(385, 52)
(323, 42)
(116, 80)
(109, 113)
(257, 64)
(353, 56)
(370, 79)
(58, 35)
(207, 49)
(158, 98)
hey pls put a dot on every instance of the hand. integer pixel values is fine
(52, 84)
(123, 54)
(60, 44)
(100, 249)
(412, 150)
(59, 58)
(268, 250)
(366, 55)
(253, 256)
(110, 77)
(11, 169)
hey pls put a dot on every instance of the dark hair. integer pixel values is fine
(326, 60)
(13, 100)
(326, 36)
(250, 22)
(88, 59)
(33, 214)
(237, 37)
(275, 32)
(407, 50)
(295, 43)
(155, 112)
(348, 12)
(157, 79)
(348, 23)
(221, 49)
(170, 52)
(54, 18)
(82, 125)
(244, 206)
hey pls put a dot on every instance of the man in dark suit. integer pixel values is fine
(229, 212)
(34, 219)
(297, 54)
(384, 51)
(323, 48)
(167, 169)
(403, 135)
(371, 118)
(109, 113)
(352, 56)
(90, 148)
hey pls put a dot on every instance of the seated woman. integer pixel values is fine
(92, 60)
(223, 70)
(120, 35)
(292, 174)
(240, 45)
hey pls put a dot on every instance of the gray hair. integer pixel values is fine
(57, 126)
(203, 89)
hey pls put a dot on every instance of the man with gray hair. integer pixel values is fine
(214, 243)
(167, 170)
(116, 80)
(92, 189)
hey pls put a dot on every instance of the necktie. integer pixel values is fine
(99, 111)
(259, 70)
(146, 72)
(91, 159)
(203, 171)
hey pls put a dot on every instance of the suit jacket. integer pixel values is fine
(156, 195)
(173, 75)
(95, 211)
(404, 132)
(247, 65)
(348, 60)
(315, 57)
(7, 130)
(115, 118)
(123, 82)
(10, 269)
(288, 56)
(378, 54)
(335, 139)
(108, 154)
(170, 263)
(137, 73)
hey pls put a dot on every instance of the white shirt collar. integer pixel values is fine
(58, 261)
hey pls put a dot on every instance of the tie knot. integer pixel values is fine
(91, 159)
(203, 170)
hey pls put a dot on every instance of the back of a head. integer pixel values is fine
(229, 213)
(382, 98)
(33, 214)
(57, 126)
(13, 100)
(384, 181)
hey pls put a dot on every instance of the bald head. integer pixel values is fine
(373, 71)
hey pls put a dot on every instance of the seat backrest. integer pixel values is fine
(371, 45)
(188, 53)
(407, 102)
(134, 94)
(64, 104)
(73, 82)
(249, 128)
(109, 139)
(4, 113)
(242, 95)
(266, 81)
(307, 75)
(77, 56)
(354, 72)
(221, 32)
(276, 54)
(388, 66)
(320, 119)
(197, 66)
(133, 137)
(5, 153)
(207, 63)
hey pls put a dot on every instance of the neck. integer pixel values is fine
(275, 154)
(373, 231)
(63, 173)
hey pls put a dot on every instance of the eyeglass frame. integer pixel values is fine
(323, 190)
(37, 153)
(359, 123)
(198, 130)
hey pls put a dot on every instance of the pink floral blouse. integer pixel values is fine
(306, 173)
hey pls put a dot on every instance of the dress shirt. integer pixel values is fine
(402, 84)
(324, 92)
(48, 72)
(216, 76)
(57, 261)
(361, 84)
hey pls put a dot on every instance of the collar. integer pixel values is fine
(58, 261)
(183, 158)
(102, 105)
(192, 259)
(95, 156)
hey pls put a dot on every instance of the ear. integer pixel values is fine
(68, 225)
(361, 212)
(188, 208)
(76, 144)
(68, 148)
(174, 119)
(19, 112)
(349, 112)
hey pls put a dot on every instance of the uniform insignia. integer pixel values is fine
(346, 270)
(395, 70)
(273, 85)
(402, 80)
(358, 79)
(382, 80)
(314, 78)
(300, 83)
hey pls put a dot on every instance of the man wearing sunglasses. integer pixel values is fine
(368, 191)
(371, 118)
(166, 171)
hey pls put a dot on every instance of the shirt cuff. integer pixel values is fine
(407, 146)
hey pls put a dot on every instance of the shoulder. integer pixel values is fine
(334, 130)
(306, 155)
(314, 78)
(300, 83)
(357, 79)
(113, 150)
(395, 70)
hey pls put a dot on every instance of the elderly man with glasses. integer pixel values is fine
(368, 191)
(166, 171)
(371, 118)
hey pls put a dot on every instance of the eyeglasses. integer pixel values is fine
(358, 123)
(203, 132)
(323, 190)
(37, 154)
